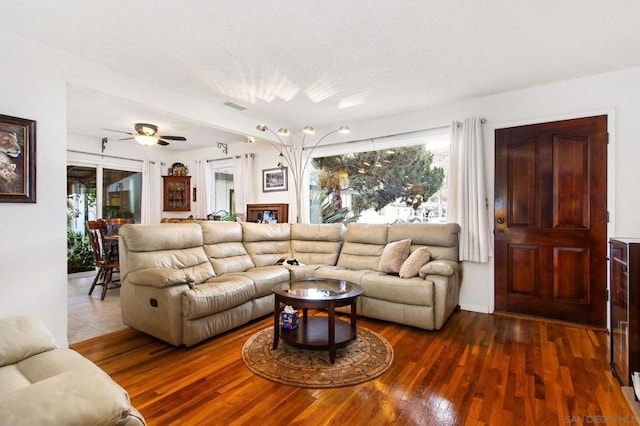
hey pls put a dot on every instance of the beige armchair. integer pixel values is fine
(41, 384)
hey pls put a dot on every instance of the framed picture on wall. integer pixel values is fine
(274, 179)
(17, 160)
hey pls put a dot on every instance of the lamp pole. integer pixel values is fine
(296, 156)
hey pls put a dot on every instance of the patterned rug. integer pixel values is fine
(362, 359)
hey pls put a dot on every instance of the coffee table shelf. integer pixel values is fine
(312, 333)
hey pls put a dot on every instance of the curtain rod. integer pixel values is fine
(383, 137)
(219, 159)
(230, 158)
(482, 120)
(459, 124)
(104, 155)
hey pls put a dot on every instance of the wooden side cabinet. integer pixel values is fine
(624, 307)
(176, 191)
(268, 213)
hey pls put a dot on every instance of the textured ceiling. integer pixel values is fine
(328, 62)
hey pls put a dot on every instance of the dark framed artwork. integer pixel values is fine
(17, 160)
(275, 179)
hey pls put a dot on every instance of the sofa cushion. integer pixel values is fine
(338, 273)
(265, 277)
(74, 397)
(442, 238)
(52, 363)
(409, 291)
(266, 243)
(393, 256)
(22, 337)
(316, 243)
(228, 257)
(152, 237)
(414, 262)
(216, 296)
(363, 246)
(446, 268)
(223, 245)
(11, 378)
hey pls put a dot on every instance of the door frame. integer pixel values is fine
(611, 126)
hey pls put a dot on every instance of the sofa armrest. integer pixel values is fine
(74, 397)
(446, 268)
(161, 277)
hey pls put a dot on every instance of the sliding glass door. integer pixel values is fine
(95, 192)
(121, 194)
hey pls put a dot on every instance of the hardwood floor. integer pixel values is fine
(480, 369)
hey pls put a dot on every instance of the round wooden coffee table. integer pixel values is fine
(316, 332)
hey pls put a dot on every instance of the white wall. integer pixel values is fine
(33, 270)
(33, 84)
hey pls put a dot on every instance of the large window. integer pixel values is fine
(403, 179)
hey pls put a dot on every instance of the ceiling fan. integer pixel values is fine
(147, 134)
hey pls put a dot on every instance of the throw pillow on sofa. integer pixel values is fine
(414, 262)
(393, 255)
(22, 337)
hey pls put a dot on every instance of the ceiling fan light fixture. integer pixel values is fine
(283, 132)
(309, 130)
(146, 140)
(344, 129)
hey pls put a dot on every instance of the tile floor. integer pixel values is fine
(88, 316)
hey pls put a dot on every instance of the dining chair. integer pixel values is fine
(104, 259)
(114, 224)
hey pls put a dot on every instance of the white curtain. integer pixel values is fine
(201, 184)
(151, 192)
(467, 203)
(243, 181)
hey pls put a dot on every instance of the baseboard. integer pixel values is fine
(483, 309)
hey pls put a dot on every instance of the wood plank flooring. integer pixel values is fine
(480, 369)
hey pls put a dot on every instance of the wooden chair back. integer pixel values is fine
(96, 230)
(114, 224)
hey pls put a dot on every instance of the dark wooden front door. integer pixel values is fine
(551, 220)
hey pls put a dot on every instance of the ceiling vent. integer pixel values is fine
(235, 106)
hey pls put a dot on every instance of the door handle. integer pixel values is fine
(500, 220)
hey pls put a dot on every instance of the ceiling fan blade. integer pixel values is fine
(119, 131)
(163, 143)
(173, 138)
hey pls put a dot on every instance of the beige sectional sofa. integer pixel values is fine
(184, 283)
(42, 384)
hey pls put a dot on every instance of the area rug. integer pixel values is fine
(362, 359)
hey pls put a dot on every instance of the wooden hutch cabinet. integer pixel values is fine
(268, 213)
(176, 192)
(624, 307)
